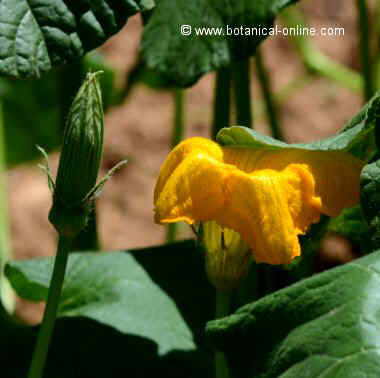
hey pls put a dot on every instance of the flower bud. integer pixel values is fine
(227, 256)
(80, 160)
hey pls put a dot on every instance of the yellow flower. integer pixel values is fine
(268, 196)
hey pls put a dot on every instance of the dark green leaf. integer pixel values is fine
(352, 225)
(370, 201)
(31, 117)
(325, 326)
(86, 348)
(34, 109)
(356, 137)
(111, 288)
(185, 58)
(36, 35)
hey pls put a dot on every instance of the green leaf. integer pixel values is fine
(85, 348)
(185, 58)
(34, 109)
(325, 326)
(370, 201)
(357, 137)
(352, 225)
(31, 117)
(111, 288)
(36, 35)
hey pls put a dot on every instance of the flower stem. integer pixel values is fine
(269, 100)
(177, 136)
(242, 92)
(365, 52)
(222, 101)
(6, 294)
(47, 326)
(315, 61)
(222, 308)
(88, 239)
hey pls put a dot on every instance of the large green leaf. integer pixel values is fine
(185, 58)
(36, 35)
(86, 348)
(352, 225)
(356, 137)
(111, 288)
(325, 326)
(370, 201)
(35, 110)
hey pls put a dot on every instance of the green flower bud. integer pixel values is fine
(80, 160)
(228, 257)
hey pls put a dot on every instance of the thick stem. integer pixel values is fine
(222, 101)
(47, 326)
(242, 92)
(269, 100)
(177, 136)
(6, 294)
(88, 240)
(315, 61)
(222, 308)
(178, 126)
(365, 52)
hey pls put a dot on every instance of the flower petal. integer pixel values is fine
(180, 152)
(193, 192)
(336, 174)
(270, 209)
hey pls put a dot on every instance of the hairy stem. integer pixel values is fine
(6, 294)
(177, 136)
(315, 61)
(46, 330)
(269, 100)
(222, 308)
(242, 92)
(365, 52)
(222, 101)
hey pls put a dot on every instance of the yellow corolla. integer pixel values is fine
(267, 196)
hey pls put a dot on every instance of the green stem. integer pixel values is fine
(242, 92)
(6, 294)
(365, 52)
(87, 240)
(315, 61)
(222, 101)
(222, 308)
(178, 127)
(177, 136)
(47, 326)
(269, 99)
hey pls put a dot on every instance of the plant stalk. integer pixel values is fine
(177, 136)
(365, 51)
(222, 101)
(242, 92)
(269, 100)
(315, 61)
(88, 239)
(48, 322)
(6, 293)
(222, 308)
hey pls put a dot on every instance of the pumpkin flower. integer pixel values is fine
(267, 196)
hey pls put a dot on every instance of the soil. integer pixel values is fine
(140, 130)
